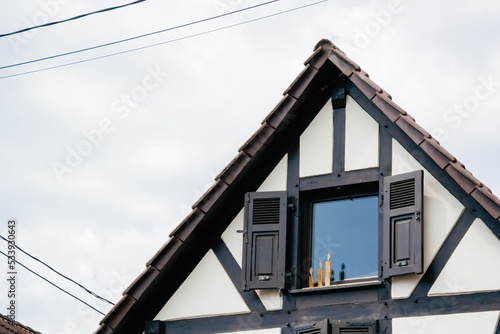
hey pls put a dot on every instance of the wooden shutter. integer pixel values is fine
(322, 327)
(264, 240)
(403, 224)
(353, 327)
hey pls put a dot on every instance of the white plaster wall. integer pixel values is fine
(207, 291)
(276, 181)
(316, 144)
(459, 323)
(234, 240)
(361, 138)
(260, 331)
(474, 265)
(441, 211)
(271, 299)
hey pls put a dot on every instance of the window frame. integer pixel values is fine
(308, 199)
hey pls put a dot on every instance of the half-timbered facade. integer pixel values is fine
(339, 215)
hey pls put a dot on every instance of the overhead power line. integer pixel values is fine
(139, 36)
(66, 277)
(53, 284)
(70, 19)
(165, 42)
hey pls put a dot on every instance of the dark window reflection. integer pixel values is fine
(348, 229)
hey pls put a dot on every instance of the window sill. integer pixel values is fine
(339, 286)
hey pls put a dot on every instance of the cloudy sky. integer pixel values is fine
(100, 160)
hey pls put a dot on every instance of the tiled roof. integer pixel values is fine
(8, 326)
(325, 55)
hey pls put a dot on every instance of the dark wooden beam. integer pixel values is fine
(338, 139)
(476, 302)
(294, 233)
(456, 235)
(385, 169)
(234, 271)
(339, 179)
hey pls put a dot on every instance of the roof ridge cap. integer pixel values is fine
(326, 44)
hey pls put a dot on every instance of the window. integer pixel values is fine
(343, 221)
(348, 229)
(345, 227)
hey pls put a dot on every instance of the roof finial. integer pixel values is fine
(325, 44)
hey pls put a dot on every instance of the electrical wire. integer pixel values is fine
(139, 36)
(53, 284)
(66, 277)
(165, 42)
(70, 19)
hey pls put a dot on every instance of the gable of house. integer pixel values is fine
(339, 199)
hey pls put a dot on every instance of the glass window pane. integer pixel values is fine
(348, 229)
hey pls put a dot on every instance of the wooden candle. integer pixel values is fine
(320, 274)
(328, 270)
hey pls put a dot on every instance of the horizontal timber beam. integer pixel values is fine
(476, 302)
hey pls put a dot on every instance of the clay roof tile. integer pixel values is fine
(279, 113)
(9, 326)
(297, 88)
(258, 140)
(234, 168)
(412, 129)
(388, 107)
(462, 176)
(113, 318)
(437, 152)
(487, 200)
(365, 84)
(345, 65)
(141, 283)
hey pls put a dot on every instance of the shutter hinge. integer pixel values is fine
(245, 235)
(381, 200)
(417, 215)
(293, 207)
(247, 197)
(245, 285)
